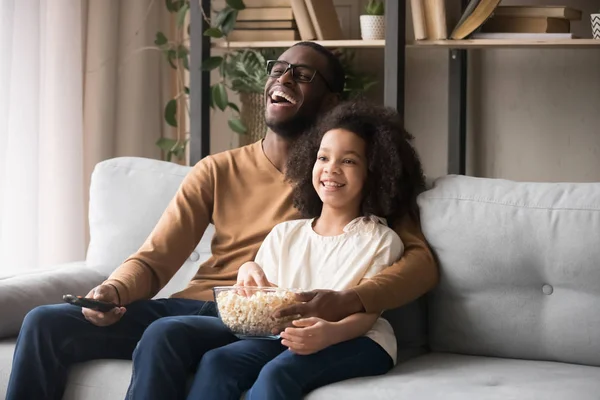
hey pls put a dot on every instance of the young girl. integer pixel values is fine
(355, 169)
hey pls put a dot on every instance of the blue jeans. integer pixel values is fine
(165, 338)
(270, 372)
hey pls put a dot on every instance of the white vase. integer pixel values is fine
(372, 27)
(596, 25)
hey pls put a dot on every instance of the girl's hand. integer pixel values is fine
(251, 274)
(309, 335)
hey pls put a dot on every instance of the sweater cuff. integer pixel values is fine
(367, 293)
(122, 291)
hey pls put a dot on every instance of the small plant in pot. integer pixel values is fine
(596, 25)
(372, 23)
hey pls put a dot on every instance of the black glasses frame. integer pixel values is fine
(292, 67)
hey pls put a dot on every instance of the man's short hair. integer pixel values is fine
(336, 70)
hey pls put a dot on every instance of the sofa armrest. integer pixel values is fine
(21, 293)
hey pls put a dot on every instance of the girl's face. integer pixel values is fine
(340, 171)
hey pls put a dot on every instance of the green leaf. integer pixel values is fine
(220, 96)
(211, 63)
(236, 4)
(237, 126)
(181, 14)
(214, 33)
(234, 107)
(186, 90)
(182, 51)
(174, 5)
(161, 39)
(171, 113)
(229, 22)
(166, 144)
(172, 57)
(211, 101)
(222, 16)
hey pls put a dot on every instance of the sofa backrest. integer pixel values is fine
(127, 197)
(520, 268)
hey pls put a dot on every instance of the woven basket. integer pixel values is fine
(596, 26)
(253, 116)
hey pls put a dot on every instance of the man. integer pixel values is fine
(243, 192)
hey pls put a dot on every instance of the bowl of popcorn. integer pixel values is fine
(248, 311)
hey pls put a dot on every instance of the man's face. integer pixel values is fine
(292, 106)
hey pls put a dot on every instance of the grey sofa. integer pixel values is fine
(515, 316)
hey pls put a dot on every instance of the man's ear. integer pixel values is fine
(330, 101)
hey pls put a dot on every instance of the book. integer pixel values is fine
(524, 36)
(324, 19)
(265, 24)
(539, 11)
(258, 35)
(476, 13)
(435, 19)
(303, 21)
(266, 14)
(527, 25)
(266, 3)
(418, 19)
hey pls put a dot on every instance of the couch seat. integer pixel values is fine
(430, 377)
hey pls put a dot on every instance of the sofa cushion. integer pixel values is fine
(438, 376)
(520, 275)
(432, 377)
(127, 197)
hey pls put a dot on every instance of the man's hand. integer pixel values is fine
(329, 305)
(251, 274)
(103, 293)
(311, 335)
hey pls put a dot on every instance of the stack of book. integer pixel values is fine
(285, 20)
(487, 19)
(530, 22)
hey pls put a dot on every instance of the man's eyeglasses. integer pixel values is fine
(300, 73)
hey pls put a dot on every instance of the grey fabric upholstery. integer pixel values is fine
(435, 376)
(520, 270)
(438, 376)
(21, 293)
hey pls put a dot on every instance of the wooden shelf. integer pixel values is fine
(505, 43)
(289, 43)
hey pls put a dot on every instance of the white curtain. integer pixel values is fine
(41, 134)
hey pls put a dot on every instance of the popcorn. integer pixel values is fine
(249, 311)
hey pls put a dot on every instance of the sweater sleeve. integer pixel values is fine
(172, 240)
(407, 279)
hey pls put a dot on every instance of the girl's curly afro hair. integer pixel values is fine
(394, 172)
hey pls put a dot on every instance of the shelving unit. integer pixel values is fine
(500, 43)
(394, 48)
(325, 43)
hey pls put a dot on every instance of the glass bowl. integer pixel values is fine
(248, 311)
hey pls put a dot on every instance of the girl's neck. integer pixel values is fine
(332, 221)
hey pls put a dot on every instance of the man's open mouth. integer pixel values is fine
(279, 97)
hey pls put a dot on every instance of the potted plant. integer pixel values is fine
(176, 51)
(246, 75)
(372, 24)
(596, 25)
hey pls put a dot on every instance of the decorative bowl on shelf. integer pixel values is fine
(248, 311)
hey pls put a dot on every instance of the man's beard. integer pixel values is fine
(293, 127)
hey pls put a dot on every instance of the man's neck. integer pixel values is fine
(276, 149)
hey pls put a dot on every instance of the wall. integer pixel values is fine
(534, 114)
